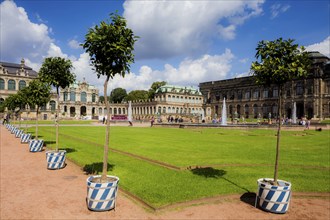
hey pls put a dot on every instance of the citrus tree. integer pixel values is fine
(110, 46)
(278, 62)
(56, 71)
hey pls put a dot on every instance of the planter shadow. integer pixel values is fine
(249, 198)
(96, 168)
(68, 150)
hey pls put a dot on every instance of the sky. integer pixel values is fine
(181, 42)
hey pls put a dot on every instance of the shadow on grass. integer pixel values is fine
(46, 143)
(96, 168)
(68, 150)
(210, 172)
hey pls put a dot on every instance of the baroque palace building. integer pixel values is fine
(246, 99)
(243, 97)
(81, 100)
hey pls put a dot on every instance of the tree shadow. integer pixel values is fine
(96, 168)
(249, 198)
(208, 172)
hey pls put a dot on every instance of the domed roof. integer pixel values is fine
(178, 90)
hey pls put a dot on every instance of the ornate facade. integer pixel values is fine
(244, 97)
(14, 77)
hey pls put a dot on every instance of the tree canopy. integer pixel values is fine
(156, 85)
(278, 62)
(137, 95)
(118, 95)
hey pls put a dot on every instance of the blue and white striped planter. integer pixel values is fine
(272, 198)
(13, 130)
(18, 133)
(36, 145)
(55, 160)
(102, 196)
(25, 138)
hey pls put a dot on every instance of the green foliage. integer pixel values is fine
(154, 87)
(118, 95)
(56, 71)
(38, 93)
(137, 95)
(279, 61)
(110, 46)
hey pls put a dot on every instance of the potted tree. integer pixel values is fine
(110, 46)
(278, 62)
(56, 72)
(39, 94)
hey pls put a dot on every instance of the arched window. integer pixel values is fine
(21, 84)
(11, 84)
(83, 97)
(52, 104)
(2, 84)
(93, 97)
(72, 96)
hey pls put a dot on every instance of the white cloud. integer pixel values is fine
(20, 37)
(322, 47)
(277, 8)
(170, 28)
(74, 44)
(188, 73)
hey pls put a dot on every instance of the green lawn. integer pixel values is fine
(235, 159)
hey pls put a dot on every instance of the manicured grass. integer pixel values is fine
(229, 152)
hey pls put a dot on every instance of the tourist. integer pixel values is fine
(103, 120)
(152, 122)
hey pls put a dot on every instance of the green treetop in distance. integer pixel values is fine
(154, 87)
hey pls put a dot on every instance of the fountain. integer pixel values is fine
(224, 113)
(294, 113)
(129, 113)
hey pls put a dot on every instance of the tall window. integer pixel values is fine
(52, 105)
(247, 95)
(300, 89)
(275, 92)
(83, 97)
(11, 85)
(256, 94)
(21, 84)
(72, 96)
(265, 93)
(65, 96)
(93, 97)
(2, 84)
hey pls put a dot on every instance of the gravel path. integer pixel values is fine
(30, 191)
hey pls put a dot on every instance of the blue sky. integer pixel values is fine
(181, 42)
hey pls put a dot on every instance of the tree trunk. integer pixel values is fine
(37, 123)
(57, 118)
(278, 135)
(107, 135)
